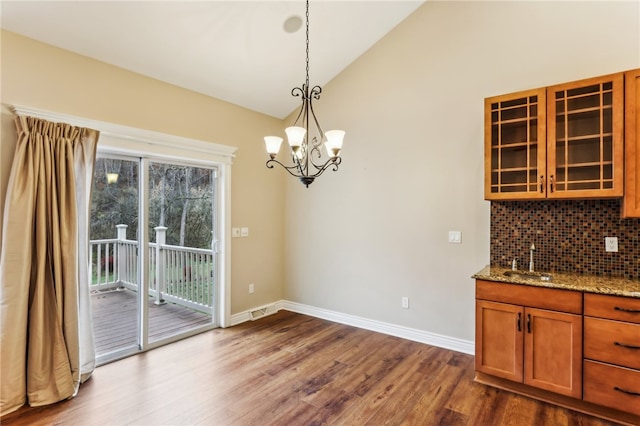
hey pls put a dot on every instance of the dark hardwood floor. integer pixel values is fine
(291, 369)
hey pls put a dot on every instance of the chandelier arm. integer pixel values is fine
(335, 162)
(315, 94)
(316, 143)
(330, 163)
(317, 150)
(307, 149)
(289, 169)
(298, 91)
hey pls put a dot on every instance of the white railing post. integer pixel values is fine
(161, 239)
(121, 256)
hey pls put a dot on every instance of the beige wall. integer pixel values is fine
(360, 239)
(44, 77)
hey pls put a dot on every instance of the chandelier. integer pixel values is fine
(305, 148)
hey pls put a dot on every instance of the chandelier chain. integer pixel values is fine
(307, 18)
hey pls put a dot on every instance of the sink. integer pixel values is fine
(538, 276)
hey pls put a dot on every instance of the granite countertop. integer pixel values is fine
(587, 283)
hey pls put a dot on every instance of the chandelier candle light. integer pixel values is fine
(303, 149)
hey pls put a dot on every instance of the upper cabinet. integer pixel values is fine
(515, 145)
(631, 203)
(564, 141)
(585, 158)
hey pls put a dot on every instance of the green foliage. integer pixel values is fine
(114, 203)
(180, 198)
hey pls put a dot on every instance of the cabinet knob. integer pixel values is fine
(542, 184)
(551, 183)
(528, 323)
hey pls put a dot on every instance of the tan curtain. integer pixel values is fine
(47, 339)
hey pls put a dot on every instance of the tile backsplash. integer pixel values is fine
(568, 235)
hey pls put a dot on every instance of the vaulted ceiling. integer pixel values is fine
(237, 51)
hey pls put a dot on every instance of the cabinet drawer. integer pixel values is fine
(611, 386)
(612, 307)
(552, 299)
(612, 341)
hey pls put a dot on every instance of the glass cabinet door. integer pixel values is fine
(585, 129)
(515, 146)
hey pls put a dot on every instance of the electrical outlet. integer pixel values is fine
(252, 288)
(455, 237)
(405, 302)
(244, 232)
(611, 244)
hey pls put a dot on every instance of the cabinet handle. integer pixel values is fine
(626, 391)
(542, 184)
(528, 323)
(624, 345)
(632, 311)
(551, 182)
(518, 321)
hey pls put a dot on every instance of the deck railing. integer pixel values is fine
(102, 255)
(181, 275)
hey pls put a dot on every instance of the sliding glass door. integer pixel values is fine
(114, 259)
(153, 253)
(182, 252)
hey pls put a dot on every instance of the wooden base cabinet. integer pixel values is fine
(530, 340)
(537, 347)
(612, 351)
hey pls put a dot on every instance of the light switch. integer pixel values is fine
(235, 232)
(244, 232)
(455, 237)
(405, 303)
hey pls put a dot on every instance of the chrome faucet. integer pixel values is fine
(531, 250)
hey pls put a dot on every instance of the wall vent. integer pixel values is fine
(262, 311)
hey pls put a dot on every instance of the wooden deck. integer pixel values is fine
(115, 320)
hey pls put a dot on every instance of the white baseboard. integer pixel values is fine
(433, 339)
